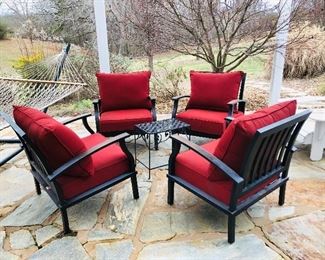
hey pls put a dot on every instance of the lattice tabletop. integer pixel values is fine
(166, 125)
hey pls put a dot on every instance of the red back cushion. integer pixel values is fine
(124, 90)
(57, 143)
(214, 90)
(234, 142)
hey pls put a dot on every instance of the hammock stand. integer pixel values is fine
(36, 92)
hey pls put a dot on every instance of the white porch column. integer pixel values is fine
(101, 32)
(279, 53)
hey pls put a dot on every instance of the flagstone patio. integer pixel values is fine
(111, 225)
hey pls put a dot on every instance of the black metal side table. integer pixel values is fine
(167, 126)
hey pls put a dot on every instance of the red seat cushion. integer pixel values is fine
(221, 189)
(109, 163)
(57, 143)
(123, 120)
(213, 91)
(124, 90)
(234, 142)
(191, 163)
(205, 121)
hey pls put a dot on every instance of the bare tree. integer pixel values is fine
(139, 23)
(72, 21)
(223, 33)
(22, 11)
(314, 11)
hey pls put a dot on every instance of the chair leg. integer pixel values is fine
(156, 139)
(231, 229)
(135, 186)
(170, 195)
(282, 194)
(38, 187)
(65, 221)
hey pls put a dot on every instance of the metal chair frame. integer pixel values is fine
(46, 177)
(268, 156)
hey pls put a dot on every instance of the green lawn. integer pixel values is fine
(253, 66)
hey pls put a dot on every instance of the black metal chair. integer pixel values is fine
(210, 120)
(264, 168)
(52, 180)
(124, 102)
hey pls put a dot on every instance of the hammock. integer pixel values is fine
(46, 82)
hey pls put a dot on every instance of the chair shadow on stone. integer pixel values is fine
(71, 169)
(248, 162)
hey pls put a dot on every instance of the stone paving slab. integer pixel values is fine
(157, 227)
(31, 212)
(301, 237)
(83, 216)
(246, 247)
(303, 193)
(117, 250)
(44, 234)
(123, 210)
(103, 234)
(21, 239)
(7, 256)
(67, 248)
(281, 212)
(202, 219)
(15, 184)
(183, 198)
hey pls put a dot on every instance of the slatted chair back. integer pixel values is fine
(270, 151)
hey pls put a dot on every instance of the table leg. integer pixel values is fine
(318, 142)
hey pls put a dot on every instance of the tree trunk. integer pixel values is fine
(150, 62)
(215, 68)
(197, 52)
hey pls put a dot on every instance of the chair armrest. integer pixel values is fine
(68, 121)
(233, 104)
(96, 104)
(210, 157)
(175, 105)
(59, 171)
(228, 120)
(84, 121)
(180, 97)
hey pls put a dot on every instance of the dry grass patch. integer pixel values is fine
(306, 59)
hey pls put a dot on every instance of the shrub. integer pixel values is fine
(256, 98)
(119, 63)
(3, 31)
(166, 83)
(87, 65)
(29, 66)
(306, 59)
